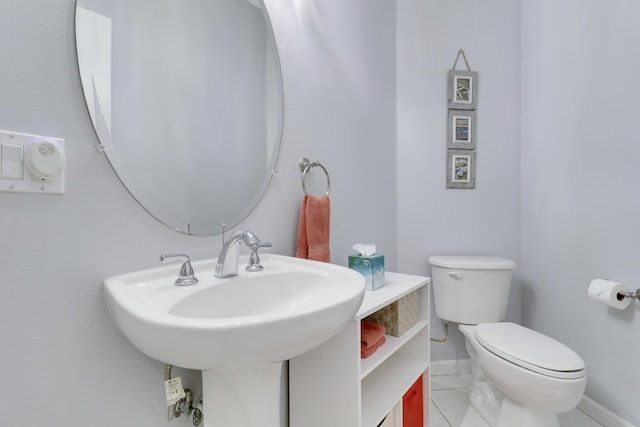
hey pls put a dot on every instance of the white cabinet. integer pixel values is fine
(332, 386)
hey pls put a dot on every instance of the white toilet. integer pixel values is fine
(521, 378)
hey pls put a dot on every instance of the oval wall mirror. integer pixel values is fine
(186, 100)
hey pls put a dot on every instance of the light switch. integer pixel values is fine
(12, 165)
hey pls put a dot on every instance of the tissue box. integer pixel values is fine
(371, 267)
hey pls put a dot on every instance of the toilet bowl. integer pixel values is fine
(538, 376)
(521, 378)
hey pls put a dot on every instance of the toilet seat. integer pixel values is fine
(530, 350)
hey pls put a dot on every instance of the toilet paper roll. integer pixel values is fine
(606, 292)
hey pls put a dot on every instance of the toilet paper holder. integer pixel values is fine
(626, 294)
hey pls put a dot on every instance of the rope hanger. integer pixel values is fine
(461, 52)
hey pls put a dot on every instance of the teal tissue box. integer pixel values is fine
(371, 267)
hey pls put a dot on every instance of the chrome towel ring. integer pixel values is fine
(305, 164)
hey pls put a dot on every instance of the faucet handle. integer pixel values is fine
(254, 258)
(258, 245)
(186, 276)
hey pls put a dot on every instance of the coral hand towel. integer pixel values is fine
(370, 333)
(313, 230)
(366, 352)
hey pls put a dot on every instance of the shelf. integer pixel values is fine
(332, 385)
(383, 387)
(396, 286)
(391, 345)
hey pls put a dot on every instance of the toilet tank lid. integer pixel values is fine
(472, 262)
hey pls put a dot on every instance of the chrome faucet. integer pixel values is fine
(228, 260)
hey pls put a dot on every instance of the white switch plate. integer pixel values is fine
(11, 161)
(28, 183)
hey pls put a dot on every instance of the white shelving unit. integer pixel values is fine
(332, 386)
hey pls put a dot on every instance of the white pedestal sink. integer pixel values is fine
(237, 330)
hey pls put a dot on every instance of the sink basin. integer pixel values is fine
(240, 322)
(238, 331)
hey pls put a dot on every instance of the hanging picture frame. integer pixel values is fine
(462, 89)
(461, 125)
(461, 130)
(461, 169)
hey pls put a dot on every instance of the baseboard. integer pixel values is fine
(450, 367)
(587, 405)
(601, 414)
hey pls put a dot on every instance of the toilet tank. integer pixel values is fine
(471, 289)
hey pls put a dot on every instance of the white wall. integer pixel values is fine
(431, 219)
(580, 205)
(64, 363)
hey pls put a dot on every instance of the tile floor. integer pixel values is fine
(450, 405)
